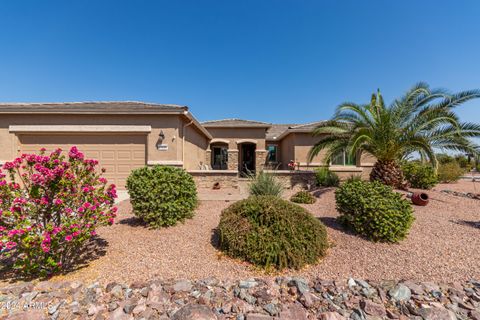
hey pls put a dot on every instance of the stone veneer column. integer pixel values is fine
(260, 160)
(232, 159)
(208, 158)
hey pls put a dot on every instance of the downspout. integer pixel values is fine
(183, 141)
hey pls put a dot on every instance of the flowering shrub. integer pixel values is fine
(50, 205)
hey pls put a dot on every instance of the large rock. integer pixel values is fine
(436, 313)
(373, 309)
(194, 311)
(182, 286)
(400, 293)
(331, 316)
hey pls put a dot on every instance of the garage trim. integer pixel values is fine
(79, 128)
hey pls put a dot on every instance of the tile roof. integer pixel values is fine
(234, 123)
(306, 126)
(276, 130)
(93, 107)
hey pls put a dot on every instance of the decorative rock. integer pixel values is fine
(130, 304)
(272, 309)
(258, 316)
(373, 309)
(300, 284)
(436, 313)
(351, 283)
(247, 284)
(194, 311)
(400, 293)
(331, 316)
(182, 286)
(293, 311)
(117, 291)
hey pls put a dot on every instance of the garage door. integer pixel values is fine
(118, 154)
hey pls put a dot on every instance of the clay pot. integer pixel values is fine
(420, 198)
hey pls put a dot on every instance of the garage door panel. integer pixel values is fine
(119, 155)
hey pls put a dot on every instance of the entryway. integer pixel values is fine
(247, 159)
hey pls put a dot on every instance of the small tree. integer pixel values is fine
(50, 206)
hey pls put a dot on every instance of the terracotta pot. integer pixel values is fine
(420, 198)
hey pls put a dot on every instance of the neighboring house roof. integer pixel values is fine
(235, 123)
(300, 128)
(276, 130)
(101, 107)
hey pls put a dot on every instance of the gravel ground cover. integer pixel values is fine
(442, 246)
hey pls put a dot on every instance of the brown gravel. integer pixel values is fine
(443, 245)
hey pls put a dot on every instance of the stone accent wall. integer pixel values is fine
(206, 179)
(295, 179)
(260, 159)
(208, 158)
(232, 159)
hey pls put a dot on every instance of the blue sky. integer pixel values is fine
(270, 60)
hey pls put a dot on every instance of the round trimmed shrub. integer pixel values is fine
(271, 232)
(303, 197)
(374, 210)
(161, 195)
(419, 175)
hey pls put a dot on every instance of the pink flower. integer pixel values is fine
(58, 202)
(68, 238)
(11, 245)
(93, 233)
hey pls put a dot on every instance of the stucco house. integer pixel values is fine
(127, 135)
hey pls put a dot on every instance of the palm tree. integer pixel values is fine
(420, 122)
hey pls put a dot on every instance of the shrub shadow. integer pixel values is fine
(320, 191)
(94, 249)
(473, 224)
(215, 238)
(333, 223)
(134, 222)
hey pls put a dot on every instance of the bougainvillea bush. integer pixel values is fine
(50, 205)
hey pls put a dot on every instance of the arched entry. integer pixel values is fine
(246, 158)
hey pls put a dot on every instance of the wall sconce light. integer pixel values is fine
(161, 135)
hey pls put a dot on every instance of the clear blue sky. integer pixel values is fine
(269, 60)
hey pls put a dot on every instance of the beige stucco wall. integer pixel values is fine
(286, 151)
(196, 145)
(171, 126)
(236, 134)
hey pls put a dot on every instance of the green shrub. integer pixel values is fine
(303, 197)
(162, 195)
(419, 175)
(326, 178)
(374, 211)
(354, 177)
(449, 172)
(265, 184)
(271, 232)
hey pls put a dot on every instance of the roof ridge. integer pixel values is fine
(306, 124)
(90, 102)
(235, 119)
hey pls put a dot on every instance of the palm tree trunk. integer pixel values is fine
(388, 172)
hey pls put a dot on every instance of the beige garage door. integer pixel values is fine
(118, 154)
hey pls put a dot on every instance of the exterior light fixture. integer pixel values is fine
(161, 135)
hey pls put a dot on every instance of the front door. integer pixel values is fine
(248, 159)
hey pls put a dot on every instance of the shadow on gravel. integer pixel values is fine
(333, 223)
(319, 192)
(215, 238)
(473, 224)
(94, 249)
(133, 222)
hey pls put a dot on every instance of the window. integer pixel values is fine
(343, 159)
(219, 158)
(272, 153)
